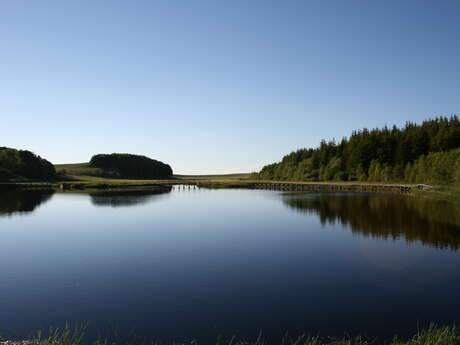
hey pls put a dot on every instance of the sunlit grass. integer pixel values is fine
(448, 193)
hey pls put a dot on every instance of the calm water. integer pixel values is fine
(199, 263)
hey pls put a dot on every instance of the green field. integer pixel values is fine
(84, 172)
(215, 177)
(77, 169)
(84, 169)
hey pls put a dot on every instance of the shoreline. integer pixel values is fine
(89, 183)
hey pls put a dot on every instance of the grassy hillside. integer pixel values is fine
(118, 166)
(77, 169)
(214, 177)
(85, 171)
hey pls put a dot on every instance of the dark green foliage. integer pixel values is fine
(127, 165)
(17, 164)
(379, 155)
(436, 168)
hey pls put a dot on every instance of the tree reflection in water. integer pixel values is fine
(432, 222)
(122, 198)
(20, 202)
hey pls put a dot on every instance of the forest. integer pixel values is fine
(421, 153)
(129, 165)
(22, 164)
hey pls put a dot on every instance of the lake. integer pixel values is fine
(198, 263)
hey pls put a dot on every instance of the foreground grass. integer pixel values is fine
(433, 335)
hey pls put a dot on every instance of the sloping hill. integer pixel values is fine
(22, 164)
(214, 177)
(77, 169)
(117, 166)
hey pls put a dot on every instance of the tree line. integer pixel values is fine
(20, 164)
(129, 165)
(424, 153)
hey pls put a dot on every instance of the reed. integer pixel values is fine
(76, 335)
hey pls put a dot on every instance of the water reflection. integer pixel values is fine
(19, 202)
(122, 198)
(224, 251)
(434, 223)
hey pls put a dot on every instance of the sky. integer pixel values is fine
(214, 86)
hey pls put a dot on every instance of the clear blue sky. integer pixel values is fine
(217, 86)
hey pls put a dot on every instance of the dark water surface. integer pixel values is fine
(203, 263)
